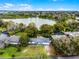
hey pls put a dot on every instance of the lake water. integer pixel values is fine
(37, 21)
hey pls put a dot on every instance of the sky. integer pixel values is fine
(40, 5)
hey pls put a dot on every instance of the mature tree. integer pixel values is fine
(5, 24)
(59, 27)
(73, 26)
(21, 27)
(31, 30)
(24, 40)
(46, 30)
(1, 22)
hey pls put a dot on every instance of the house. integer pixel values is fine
(14, 39)
(58, 33)
(4, 32)
(65, 34)
(40, 40)
(3, 38)
(58, 36)
(72, 33)
(77, 18)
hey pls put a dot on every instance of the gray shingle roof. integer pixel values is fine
(72, 33)
(14, 39)
(3, 37)
(39, 40)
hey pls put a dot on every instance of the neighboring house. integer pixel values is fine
(3, 38)
(72, 33)
(4, 32)
(66, 34)
(14, 39)
(77, 18)
(40, 40)
(58, 36)
(58, 33)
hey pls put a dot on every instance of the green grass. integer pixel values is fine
(20, 33)
(7, 52)
(29, 51)
(33, 50)
(1, 28)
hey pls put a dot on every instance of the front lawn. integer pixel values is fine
(34, 50)
(1, 28)
(29, 51)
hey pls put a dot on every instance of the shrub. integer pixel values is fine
(12, 55)
(18, 49)
(1, 53)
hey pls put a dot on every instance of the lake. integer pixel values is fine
(37, 21)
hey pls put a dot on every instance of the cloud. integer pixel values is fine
(28, 7)
(64, 9)
(44, 9)
(21, 7)
(6, 5)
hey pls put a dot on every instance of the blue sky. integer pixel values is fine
(39, 5)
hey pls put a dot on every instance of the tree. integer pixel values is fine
(1, 22)
(13, 55)
(31, 30)
(58, 27)
(46, 30)
(21, 27)
(24, 40)
(74, 26)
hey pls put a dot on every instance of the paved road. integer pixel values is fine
(73, 57)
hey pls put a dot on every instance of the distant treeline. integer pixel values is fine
(41, 14)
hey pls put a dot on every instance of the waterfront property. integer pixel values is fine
(14, 39)
(77, 18)
(58, 36)
(3, 38)
(64, 34)
(40, 40)
(72, 33)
